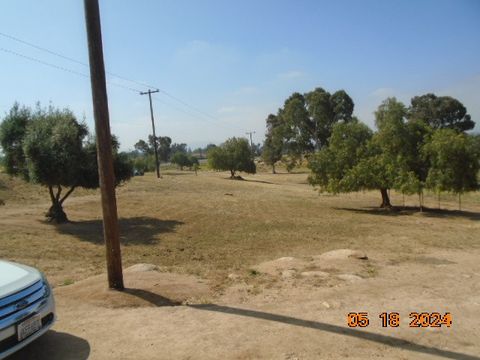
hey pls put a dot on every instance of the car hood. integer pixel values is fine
(15, 277)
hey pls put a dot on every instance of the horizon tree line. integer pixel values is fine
(423, 146)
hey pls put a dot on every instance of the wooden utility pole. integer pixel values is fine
(104, 145)
(250, 133)
(150, 92)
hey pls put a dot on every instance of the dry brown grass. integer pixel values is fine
(210, 226)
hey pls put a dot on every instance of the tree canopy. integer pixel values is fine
(182, 160)
(233, 155)
(454, 162)
(330, 166)
(54, 150)
(441, 112)
(12, 132)
(409, 152)
(273, 144)
(304, 125)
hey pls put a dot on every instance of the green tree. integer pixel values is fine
(182, 160)
(193, 160)
(178, 148)
(455, 162)
(307, 122)
(324, 110)
(342, 106)
(273, 144)
(12, 132)
(347, 147)
(58, 154)
(440, 112)
(164, 148)
(296, 138)
(233, 155)
(142, 147)
(405, 154)
(399, 141)
(356, 159)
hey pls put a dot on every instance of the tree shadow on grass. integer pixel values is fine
(178, 173)
(133, 231)
(240, 178)
(259, 181)
(410, 210)
(55, 345)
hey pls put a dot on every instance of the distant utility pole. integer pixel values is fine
(150, 92)
(104, 145)
(250, 133)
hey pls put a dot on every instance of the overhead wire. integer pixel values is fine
(205, 115)
(58, 67)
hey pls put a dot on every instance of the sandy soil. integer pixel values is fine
(173, 316)
(257, 269)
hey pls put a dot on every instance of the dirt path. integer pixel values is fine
(291, 318)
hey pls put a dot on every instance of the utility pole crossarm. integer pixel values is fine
(150, 92)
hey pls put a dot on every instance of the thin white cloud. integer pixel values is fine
(383, 93)
(290, 75)
(246, 90)
(205, 53)
(227, 109)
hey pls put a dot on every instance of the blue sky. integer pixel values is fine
(237, 61)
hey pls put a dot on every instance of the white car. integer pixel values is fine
(27, 307)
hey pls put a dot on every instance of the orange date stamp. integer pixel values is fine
(392, 319)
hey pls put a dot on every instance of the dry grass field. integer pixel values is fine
(228, 234)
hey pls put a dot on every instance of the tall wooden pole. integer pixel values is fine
(104, 145)
(250, 133)
(157, 165)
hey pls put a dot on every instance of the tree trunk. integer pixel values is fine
(273, 169)
(420, 201)
(232, 172)
(459, 201)
(55, 213)
(385, 199)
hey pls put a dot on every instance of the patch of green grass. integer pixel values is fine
(253, 272)
(67, 282)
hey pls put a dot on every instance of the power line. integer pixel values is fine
(58, 67)
(51, 52)
(54, 66)
(43, 62)
(192, 114)
(166, 93)
(194, 108)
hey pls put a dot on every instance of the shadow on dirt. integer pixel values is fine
(410, 210)
(340, 330)
(133, 231)
(55, 345)
(260, 181)
(239, 178)
(152, 298)
(178, 173)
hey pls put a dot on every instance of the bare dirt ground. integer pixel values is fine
(264, 268)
